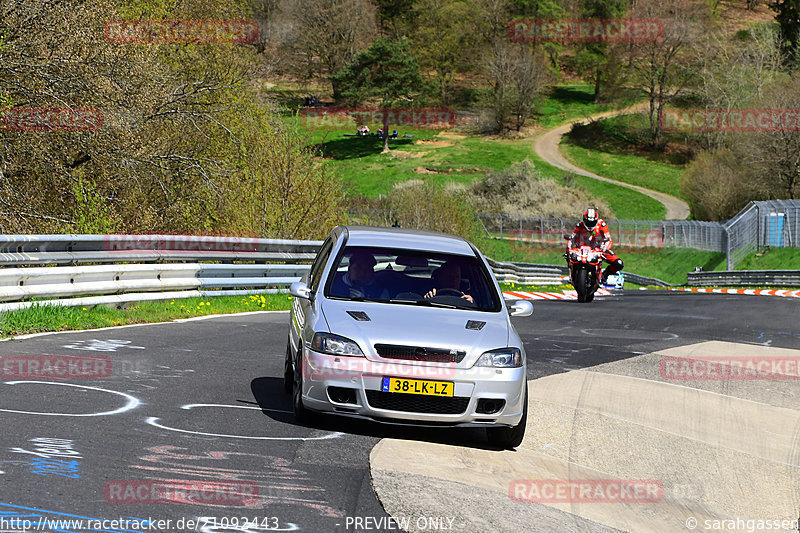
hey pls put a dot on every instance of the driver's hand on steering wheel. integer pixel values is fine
(431, 293)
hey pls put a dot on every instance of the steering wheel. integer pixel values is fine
(449, 292)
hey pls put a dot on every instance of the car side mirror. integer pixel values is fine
(298, 289)
(521, 308)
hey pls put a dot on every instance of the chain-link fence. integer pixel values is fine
(629, 233)
(774, 223)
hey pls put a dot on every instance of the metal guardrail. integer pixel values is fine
(556, 272)
(529, 273)
(145, 267)
(754, 278)
(156, 267)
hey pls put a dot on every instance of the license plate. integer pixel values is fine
(418, 386)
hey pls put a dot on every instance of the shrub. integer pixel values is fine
(521, 190)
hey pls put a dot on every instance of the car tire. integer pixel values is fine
(301, 414)
(509, 438)
(288, 370)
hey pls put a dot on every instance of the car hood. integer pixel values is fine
(419, 326)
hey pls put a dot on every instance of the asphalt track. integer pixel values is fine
(201, 402)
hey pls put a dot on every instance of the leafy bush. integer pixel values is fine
(427, 205)
(521, 190)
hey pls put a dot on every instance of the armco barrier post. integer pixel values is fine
(728, 256)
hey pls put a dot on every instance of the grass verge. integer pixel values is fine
(772, 259)
(40, 318)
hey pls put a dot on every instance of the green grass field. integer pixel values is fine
(53, 318)
(453, 157)
(624, 202)
(627, 168)
(613, 148)
(772, 259)
(566, 102)
(444, 155)
(429, 154)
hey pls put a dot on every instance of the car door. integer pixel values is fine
(304, 311)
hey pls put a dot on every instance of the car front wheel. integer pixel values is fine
(301, 414)
(510, 437)
(288, 372)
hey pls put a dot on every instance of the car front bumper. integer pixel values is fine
(473, 388)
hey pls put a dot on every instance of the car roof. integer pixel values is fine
(410, 239)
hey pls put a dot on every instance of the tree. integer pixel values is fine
(787, 13)
(544, 9)
(395, 16)
(441, 39)
(749, 166)
(595, 57)
(661, 67)
(175, 120)
(520, 74)
(774, 156)
(322, 36)
(732, 73)
(385, 71)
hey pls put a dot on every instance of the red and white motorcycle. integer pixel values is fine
(585, 270)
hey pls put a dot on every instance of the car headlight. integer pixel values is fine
(502, 358)
(334, 345)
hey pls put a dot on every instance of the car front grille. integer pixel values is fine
(420, 353)
(414, 403)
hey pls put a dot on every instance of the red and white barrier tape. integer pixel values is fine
(757, 292)
(565, 295)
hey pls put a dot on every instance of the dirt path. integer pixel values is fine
(546, 146)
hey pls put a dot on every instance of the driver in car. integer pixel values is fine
(359, 280)
(447, 281)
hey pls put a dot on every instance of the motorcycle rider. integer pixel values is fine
(593, 231)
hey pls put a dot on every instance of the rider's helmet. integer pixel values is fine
(590, 218)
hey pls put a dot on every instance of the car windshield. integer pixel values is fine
(410, 277)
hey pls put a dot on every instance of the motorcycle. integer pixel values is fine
(584, 271)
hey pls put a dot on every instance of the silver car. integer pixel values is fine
(406, 327)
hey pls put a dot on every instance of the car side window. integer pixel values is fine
(319, 264)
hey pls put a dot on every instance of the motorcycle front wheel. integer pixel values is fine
(582, 284)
